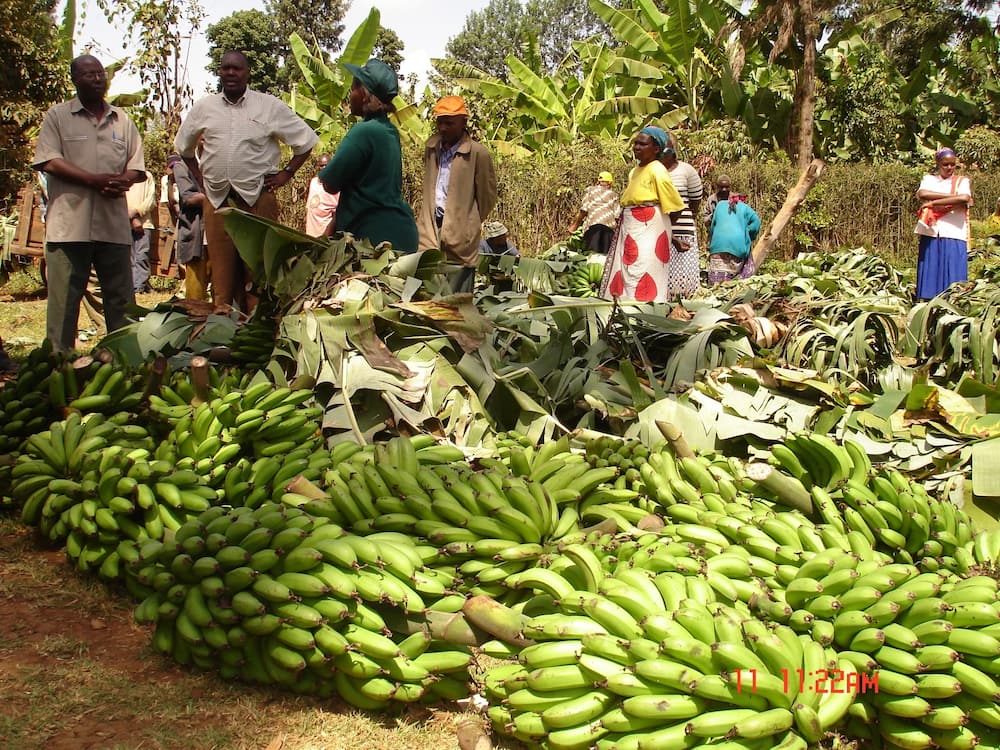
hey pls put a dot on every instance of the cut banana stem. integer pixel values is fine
(787, 490)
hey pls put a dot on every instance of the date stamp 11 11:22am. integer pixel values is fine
(820, 681)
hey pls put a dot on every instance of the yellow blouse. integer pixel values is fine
(652, 184)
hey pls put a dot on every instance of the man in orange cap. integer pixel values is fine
(460, 190)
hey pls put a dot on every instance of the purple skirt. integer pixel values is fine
(941, 261)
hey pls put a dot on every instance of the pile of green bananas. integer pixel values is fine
(274, 595)
(23, 406)
(893, 514)
(637, 657)
(585, 280)
(640, 598)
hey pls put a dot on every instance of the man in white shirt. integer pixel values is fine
(238, 164)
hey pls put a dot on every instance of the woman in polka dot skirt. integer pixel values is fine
(638, 267)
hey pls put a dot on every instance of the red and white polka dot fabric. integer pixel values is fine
(638, 267)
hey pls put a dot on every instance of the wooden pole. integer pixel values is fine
(795, 198)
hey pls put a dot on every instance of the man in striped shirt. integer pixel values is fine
(599, 210)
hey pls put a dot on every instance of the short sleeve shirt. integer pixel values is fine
(954, 224)
(689, 186)
(77, 213)
(242, 141)
(651, 184)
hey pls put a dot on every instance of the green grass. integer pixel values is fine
(22, 311)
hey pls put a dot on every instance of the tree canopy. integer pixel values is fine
(539, 32)
(159, 27)
(34, 76)
(264, 37)
(389, 48)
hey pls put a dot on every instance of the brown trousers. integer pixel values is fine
(196, 278)
(230, 276)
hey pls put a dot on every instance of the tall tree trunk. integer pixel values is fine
(806, 94)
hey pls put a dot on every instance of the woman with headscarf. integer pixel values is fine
(731, 232)
(943, 255)
(367, 169)
(638, 266)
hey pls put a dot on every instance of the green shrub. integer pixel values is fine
(979, 146)
(856, 205)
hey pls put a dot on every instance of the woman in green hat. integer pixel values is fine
(367, 169)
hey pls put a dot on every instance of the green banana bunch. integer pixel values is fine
(585, 279)
(252, 344)
(283, 597)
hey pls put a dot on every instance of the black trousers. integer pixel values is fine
(598, 238)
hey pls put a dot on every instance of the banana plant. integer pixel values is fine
(319, 97)
(596, 91)
(688, 43)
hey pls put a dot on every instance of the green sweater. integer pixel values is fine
(367, 171)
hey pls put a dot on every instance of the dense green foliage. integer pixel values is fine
(539, 32)
(32, 78)
(389, 48)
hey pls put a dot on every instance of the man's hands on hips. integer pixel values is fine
(274, 181)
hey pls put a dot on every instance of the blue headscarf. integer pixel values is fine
(657, 134)
(943, 153)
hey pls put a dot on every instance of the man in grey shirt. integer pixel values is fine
(91, 153)
(239, 131)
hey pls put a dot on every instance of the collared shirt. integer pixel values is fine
(76, 213)
(241, 141)
(444, 174)
(600, 204)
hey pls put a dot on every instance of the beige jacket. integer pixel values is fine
(472, 194)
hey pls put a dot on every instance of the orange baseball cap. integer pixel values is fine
(450, 105)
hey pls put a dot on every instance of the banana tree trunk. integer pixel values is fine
(795, 198)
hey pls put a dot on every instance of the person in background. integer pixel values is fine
(321, 206)
(460, 191)
(733, 228)
(638, 266)
(238, 165)
(723, 185)
(192, 249)
(6, 363)
(685, 276)
(141, 200)
(92, 154)
(496, 241)
(943, 258)
(367, 169)
(598, 214)
(168, 190)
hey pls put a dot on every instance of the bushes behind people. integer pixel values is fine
(850, 206)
